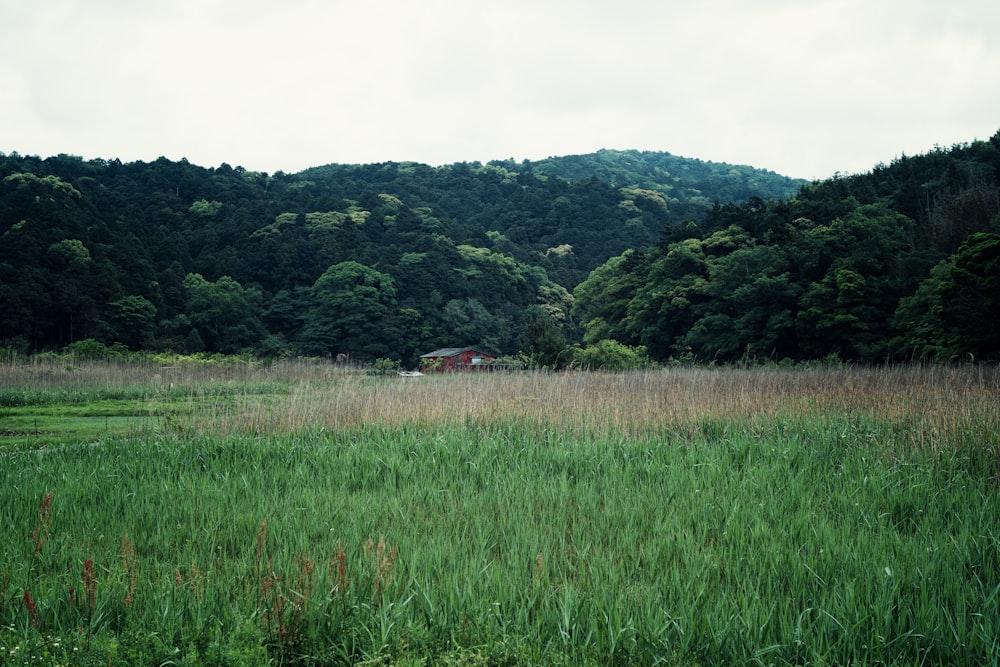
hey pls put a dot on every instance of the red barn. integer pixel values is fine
(451, 359)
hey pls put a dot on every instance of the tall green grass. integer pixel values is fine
(534, 523)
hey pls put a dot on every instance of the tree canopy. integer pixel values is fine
(172, 255)
(684, 259)
(895, 264)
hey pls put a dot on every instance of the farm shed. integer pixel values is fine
(451, 359)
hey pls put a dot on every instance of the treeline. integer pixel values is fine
(900, 263)
(636, 255)
(375, 261)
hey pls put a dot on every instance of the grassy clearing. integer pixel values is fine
(772, 516)
(51, 403)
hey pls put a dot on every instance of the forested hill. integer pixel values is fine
(899, 263)
(690, 260)
(383, 260)
(678, 179)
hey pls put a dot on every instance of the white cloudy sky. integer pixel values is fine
(802, 87)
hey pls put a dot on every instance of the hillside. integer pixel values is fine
(899, 263)
(368, 260)
(392, 260)
(679, 179)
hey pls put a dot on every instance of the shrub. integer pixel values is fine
(385, 367)
(94, 350)
(610, 355)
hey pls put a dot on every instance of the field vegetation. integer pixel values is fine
(164, 512)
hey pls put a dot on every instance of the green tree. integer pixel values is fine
(672, 299)
(469, 322)
(225, 315)
(285, 314)
(544, 345)
(492, 274)
(72, 274)
(849, 311)
(206, 208)
(133, 320)
(350, 301)
(557, 303)
(407, 335)
(956, 310)
(918, 319)
(836, 317)
(601, 302)
(751, 307)
(766, 308)
(971, 297)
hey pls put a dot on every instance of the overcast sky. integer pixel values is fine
(805, 88)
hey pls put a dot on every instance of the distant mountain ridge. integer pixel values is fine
(687, 182)
(668, 173)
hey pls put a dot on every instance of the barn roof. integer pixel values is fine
(447, 352)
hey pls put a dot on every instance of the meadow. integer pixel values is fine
(300, 513)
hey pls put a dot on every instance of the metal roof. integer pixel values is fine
(448, 352)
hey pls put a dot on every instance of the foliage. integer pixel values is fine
(91, 349)
(386, 367)
(692, 260)
(610, 355)
(349, 302)
(133, 320)
(601, 301)
(857, 268)
(545, 346)
(171, 256)
(971, 296)
(223, 315)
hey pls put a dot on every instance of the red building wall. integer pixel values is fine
(461, 361)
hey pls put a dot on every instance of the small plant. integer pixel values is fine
(381, 562)
(41, 534)
(130, 567)
(338, 571)
(29, 604)
(172, 423)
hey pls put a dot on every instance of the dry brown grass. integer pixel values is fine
(57, 374)
(929, 401)
(932, 403)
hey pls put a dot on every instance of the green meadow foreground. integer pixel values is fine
(300, 514)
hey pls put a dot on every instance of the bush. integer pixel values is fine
(610, 355)
(385, 367)
(94, 350)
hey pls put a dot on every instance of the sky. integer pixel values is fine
(805, 88)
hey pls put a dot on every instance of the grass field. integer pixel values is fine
(297, 513)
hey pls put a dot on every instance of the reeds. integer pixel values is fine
(712, 516)
(924, 406)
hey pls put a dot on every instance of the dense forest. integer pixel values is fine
(381, 260)
(900, 263)
(680, 258)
